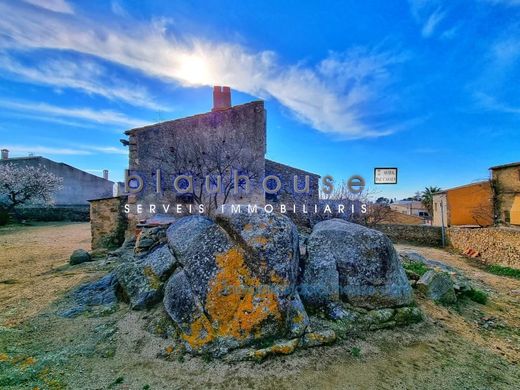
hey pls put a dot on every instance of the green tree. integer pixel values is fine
(427, 197)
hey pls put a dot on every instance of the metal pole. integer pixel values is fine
(442, 224)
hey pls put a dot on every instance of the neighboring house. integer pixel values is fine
(467, 205)
(410, 207)
(506, 185)
(71, 202)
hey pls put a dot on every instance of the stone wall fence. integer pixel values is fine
(495, 245)
(414, 234)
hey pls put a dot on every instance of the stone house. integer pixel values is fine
(229, 138)
(506, 186)
(71, 202)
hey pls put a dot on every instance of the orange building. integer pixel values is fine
(471, 204)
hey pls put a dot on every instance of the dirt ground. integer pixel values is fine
(33, 266)
(468, 346)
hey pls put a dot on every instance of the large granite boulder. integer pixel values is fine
(438, 286)
(236, 280)
(142, 279)
(351, 263)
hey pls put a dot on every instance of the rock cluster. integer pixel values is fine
(249, 285)
(437, 281)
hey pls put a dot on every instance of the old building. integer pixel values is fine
(467, 205)
(410, 207)
(506, 186)
(227, 141)
(71, 202)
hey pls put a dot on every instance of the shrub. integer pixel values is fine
(477, 295)
(416, 267)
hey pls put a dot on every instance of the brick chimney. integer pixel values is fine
(105, 174)
(5, 154)
(221, 98)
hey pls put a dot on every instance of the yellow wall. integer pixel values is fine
(470, 205)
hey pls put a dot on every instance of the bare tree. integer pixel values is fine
(23, 185)
(374, 213)
(483, 214)
(212, 161)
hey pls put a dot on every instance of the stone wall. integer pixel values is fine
(413, 234)
(108, 222)
(64, 213)
(496, 245)
(287, 195)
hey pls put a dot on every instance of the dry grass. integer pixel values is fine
(34, 267)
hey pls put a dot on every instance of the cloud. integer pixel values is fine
(87, 114)
(432, 22)
(491, 103)
(429, 15)
(60, 6)
(324, 96)
(86, 76)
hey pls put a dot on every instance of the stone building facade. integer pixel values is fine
(232, 137)
(506, 186)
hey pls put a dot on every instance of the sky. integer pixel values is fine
(428, 86)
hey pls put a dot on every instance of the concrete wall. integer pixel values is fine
(154, 147)
(496, 245)
(440, 210)
(413, 234)
(507, 192)
(78, 186)
(108, 223)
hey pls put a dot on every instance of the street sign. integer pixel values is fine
(385, 175)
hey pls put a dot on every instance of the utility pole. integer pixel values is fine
(442, 224)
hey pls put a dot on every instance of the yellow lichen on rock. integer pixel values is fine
(237, 303)
(201, 333)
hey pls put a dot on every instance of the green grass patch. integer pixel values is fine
(476, 295)
(503, 271)
(355, 352)
(416, 267)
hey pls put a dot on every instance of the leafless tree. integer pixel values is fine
(374, 213)
(213, 158)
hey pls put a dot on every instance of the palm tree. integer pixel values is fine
(427, 197)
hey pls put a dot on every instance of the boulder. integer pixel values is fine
(438, 286)
(100, 294)
(350, 262)
(79, 256)
(236, 282)
(142, 280)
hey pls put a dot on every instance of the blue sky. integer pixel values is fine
(430, 87)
